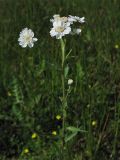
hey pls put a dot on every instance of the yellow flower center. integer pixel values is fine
(59, 29)
(28, 38)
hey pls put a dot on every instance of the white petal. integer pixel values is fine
(24, 45)
(30, 32)
(31, 44)
(19, 39)
(24, 31)
(56, 15)
(82, 20)
(68, 24)
(67, 30)
(52, 32)
(35, 39)
(52, 20)
(71, 19)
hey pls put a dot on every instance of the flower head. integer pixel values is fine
(70, 81)
(26, 38)
(26, 150)
(94, 123)
(34, 135)
(9, 94)
(62, 25)
(54, 133)
(76, 31)
(58, 117)
(116, 46)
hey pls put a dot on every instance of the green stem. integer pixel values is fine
(63, 92)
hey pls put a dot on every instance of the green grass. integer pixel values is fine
(30, 85)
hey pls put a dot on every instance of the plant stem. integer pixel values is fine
(63, 91)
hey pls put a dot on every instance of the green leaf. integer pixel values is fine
(66, 70)
(68, 138)
(74, 129)
(80, 71)
(68, 53)
(17, 112)
(88, 35)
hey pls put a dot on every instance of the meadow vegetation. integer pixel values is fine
(30, 82)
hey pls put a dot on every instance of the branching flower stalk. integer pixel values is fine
(62, 27)
(64, 92)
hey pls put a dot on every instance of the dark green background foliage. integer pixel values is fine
(30, 85)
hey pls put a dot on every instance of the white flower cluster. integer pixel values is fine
(62, 26)
(26, 38)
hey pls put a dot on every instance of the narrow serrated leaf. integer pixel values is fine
(68, 138)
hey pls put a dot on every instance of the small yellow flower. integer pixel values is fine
(116, 46)
(54, 133)
(9, 94)
(94, 123)
(26, 150)
(58, 117)
(34, 135)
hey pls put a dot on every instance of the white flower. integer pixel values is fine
(26, 38)
(60, 27)
(76, 31)
(72, 19)
(70, 81)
